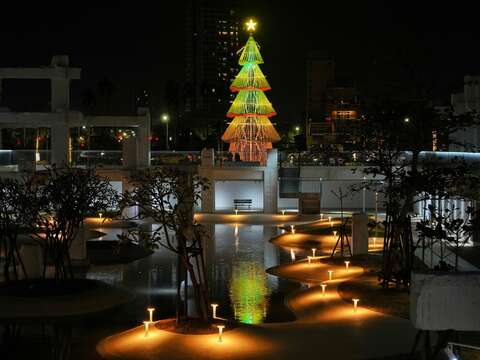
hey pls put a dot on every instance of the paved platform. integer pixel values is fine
(326, 327)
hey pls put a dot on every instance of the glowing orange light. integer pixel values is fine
(346, 265)
(324, 286)
(150, 311)
(292, 254)
(309, 259)
(313, 252)
(355, 303)
(330, 272)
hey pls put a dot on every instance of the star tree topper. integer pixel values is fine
(251, 25)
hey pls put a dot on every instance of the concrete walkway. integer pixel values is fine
(326, 327)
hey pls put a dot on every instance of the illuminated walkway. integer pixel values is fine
(327, 327)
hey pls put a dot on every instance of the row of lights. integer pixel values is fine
(150, 321)
(330, 272)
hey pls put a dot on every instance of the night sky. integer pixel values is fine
(381, 46)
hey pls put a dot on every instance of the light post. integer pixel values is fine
(165, 119)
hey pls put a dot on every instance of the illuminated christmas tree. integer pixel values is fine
(250, 133)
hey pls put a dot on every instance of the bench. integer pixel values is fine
(242, 203)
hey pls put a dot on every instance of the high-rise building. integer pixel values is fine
(332, 109)
(211, 46)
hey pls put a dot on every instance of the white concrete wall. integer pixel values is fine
(226, 191)
(333, 178)
(441, 301)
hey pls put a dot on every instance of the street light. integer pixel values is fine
(297, 128)
(165, 119)
(407, 120)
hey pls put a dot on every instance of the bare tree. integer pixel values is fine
(167, 196)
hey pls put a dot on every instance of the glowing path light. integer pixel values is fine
(150, 311)
(334, 233)
(283, 212)
(236, 211)
(220, 332)
(214, 310)
(100, 215)
(313, 252)
(346, 265)
(146, 328)
(324, 286)
(330, 272)
(321, 216)
(292, 228)
(330, 219)
(292, 254)
(309, 259)
(355, 303)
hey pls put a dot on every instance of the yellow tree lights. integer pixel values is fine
(250, 134)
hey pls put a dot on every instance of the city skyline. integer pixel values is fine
(375, 45)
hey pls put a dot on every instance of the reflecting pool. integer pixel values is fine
(236, 256)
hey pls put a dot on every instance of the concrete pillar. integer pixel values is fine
(206, 170)
(143, 139)
(270, 183)
(32, 258)
(59, 144)
(60, 87)
(359, 234)
(130, 152)
(78, 249)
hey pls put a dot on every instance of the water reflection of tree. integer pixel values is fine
(249, 292)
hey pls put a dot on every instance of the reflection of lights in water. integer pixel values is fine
(214, 310)
(292, 254)
(248, 292)
(220, 332)
(146, 328)
(236, 230)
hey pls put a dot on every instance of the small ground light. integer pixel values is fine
(100, 215)
(313, 251)
(347, 263)
(146, 328)
(214, 310)
(150, 311)
(220, 332)
(334, 233)
(236, 211)
(292, 254)
(321, 216)
(293, 231)
(330, 218)
(355, 303)
(330, 272)
(324, 286)
(283, 212)
(309, 258)
(292, 228)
